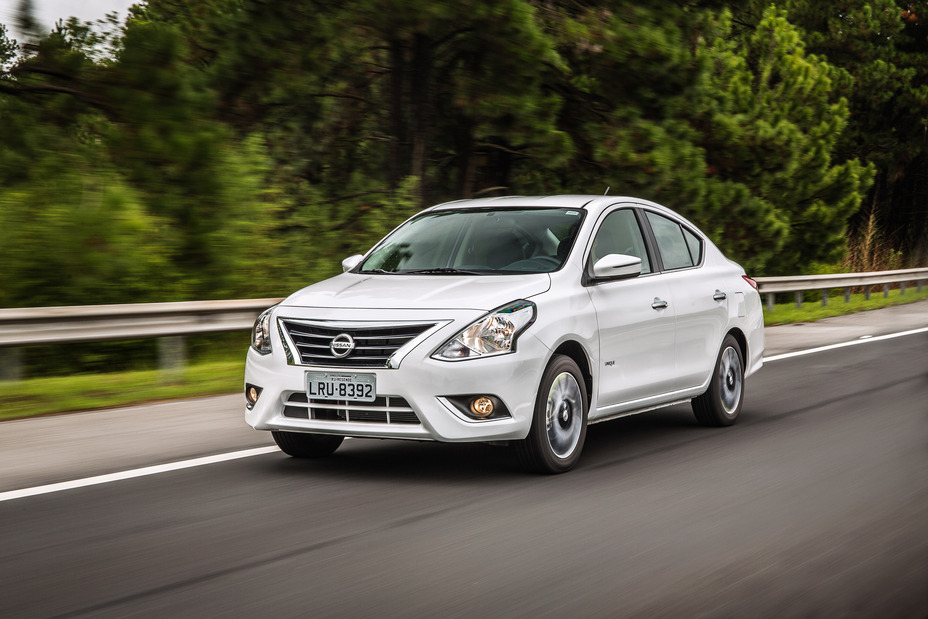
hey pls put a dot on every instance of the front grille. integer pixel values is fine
(385, 409)
(373, 346)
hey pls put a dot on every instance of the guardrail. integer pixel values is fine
(169, 322)
(797, 284)
(34, 326)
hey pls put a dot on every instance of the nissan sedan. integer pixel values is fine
(517, 320)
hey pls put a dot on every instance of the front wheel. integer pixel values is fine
(721, 403)
(302, 445)
(558, 431)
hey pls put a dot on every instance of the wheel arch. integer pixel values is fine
(739, 336)
(575, 351)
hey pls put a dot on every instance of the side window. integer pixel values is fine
(694, 244)
(620, 234)
(677, 251)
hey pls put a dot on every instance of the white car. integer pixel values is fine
(515, 319)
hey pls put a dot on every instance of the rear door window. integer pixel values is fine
(679, 248)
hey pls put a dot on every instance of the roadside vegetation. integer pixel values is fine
(786, 313)
(60, 394)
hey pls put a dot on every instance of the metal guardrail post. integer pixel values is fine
(11, 364)
(172, 357)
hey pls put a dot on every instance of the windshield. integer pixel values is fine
(478, 241)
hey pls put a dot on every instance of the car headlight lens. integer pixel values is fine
(261, 332)
(494, 334)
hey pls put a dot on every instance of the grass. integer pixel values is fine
(785, 313)
(44, 396)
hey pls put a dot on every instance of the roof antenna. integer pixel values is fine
(606, 193)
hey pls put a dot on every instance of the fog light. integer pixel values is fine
(482, 406)
(252, 393)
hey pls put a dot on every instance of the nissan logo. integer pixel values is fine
(341, 345)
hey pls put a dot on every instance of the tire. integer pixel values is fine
(721, 403)
(302, 445)
(558, 431)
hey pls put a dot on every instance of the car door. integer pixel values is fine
(700, 306)
(635, 318)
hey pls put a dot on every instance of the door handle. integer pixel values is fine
(719, 296)
(659, 304)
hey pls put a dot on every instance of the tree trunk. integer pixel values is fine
(399, 146)
(422, 94)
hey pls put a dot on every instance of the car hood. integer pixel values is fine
(358, 291)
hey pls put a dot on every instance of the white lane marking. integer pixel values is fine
(142, 472)
(258, 451)
(877, 338)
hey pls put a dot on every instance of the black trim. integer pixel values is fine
(657, 263)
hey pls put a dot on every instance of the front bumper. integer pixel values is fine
(422, 382)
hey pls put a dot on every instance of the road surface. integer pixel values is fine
(814, 504)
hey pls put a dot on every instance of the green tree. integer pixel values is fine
(882, 44)
(771, 123)
(734, 131)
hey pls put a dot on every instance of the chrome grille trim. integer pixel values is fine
(375, 343)
(385, 409)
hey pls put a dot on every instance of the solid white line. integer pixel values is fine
(869, 339)
(142, 472)
(258, 451)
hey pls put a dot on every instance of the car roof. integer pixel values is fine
(590, 203)
(587, 202)
(572, 201)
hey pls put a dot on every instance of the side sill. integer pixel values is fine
(636, 411)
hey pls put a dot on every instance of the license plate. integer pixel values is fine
(333, 386)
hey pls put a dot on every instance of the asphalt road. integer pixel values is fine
(814, 504)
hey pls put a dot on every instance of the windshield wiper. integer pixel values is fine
(440, 271)
(378, 272)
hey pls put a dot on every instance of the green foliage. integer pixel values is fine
(880, 47)
(770, 124)
(219, 148)
(80, 234)
(60, 394)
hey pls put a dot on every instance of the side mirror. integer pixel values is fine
(351, 262)
(613, 266)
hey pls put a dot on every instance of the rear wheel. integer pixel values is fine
(721, 403)
(558, 431)
(301, 445)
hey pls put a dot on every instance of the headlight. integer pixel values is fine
(494, 334)
(261, 332)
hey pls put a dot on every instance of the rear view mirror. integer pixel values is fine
(613, 266)
(351, 262)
